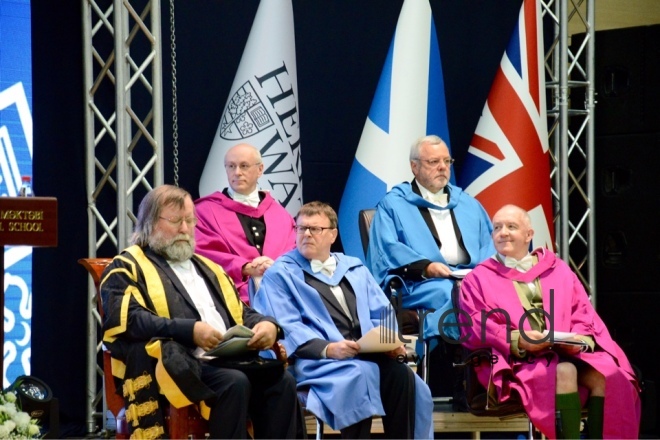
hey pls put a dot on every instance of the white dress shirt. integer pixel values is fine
(444, 226)
(200, 295)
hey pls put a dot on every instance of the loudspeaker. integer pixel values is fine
(627, 236)
(627, 80)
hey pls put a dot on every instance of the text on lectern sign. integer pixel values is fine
(28, 221)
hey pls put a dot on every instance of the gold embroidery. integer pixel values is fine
(132, 386)
(156, 431)
(134, 411)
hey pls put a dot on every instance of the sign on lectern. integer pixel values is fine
(27, 221)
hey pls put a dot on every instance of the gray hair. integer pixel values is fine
(150, 208)
(429, 139)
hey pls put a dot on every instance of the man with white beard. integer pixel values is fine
(164, 308)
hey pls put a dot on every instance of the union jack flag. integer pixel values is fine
(508, 159)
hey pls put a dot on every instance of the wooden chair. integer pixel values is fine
(183, 422)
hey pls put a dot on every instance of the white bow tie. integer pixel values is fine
(439, 199)
(251, 199)
(326, 267)
(523, 265)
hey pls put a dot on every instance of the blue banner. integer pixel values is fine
(16, 161)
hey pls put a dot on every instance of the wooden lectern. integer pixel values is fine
(27, 221)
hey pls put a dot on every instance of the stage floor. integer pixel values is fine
(446, 423)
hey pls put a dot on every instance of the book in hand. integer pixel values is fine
(379, 340)
(565, 338)
(234, 342)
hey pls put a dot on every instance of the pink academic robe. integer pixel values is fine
(220, 236)
(490, 286)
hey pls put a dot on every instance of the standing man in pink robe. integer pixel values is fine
(241, 228)
(509, 301)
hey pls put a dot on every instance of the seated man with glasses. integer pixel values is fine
(241, 228)
(165, 307)
(549, 347)
(425, 230)
(325, 302)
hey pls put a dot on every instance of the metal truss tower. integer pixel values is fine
(124, 136)
(123, 139)
(570, 73)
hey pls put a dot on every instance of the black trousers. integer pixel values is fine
(397, 393)
(273, 407)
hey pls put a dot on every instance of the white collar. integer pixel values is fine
(440, 198)
(251, 199)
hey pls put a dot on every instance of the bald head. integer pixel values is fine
(512, 231)
(244, 148)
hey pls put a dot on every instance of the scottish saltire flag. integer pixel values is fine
(409, 103)
(262, 109)
(15, 161)
(508, 159)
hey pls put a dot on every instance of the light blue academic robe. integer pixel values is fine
(400, 236)
(342, 392)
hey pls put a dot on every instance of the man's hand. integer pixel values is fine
(206, 336)
(399, 351)
(342, 350)
(257, 267)
(265, 334)
(533, 346)
(437, 270)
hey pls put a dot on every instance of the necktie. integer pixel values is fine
(250, 200)
(326, 267)
(522, 265)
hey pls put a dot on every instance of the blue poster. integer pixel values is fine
(16, 161)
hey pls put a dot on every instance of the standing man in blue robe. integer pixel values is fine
(325, 302)
(425, 230)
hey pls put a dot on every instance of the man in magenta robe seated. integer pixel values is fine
(241, 228)
(521, 305)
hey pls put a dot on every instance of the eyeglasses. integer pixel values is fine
(314, 230)
(435, 162)
(177, 221)
(243, 166)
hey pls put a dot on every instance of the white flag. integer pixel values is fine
(262, 109)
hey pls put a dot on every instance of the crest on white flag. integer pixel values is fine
(245, 115)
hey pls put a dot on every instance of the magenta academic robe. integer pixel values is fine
(490, 286)
(220, 235)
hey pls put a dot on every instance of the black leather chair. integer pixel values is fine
(475, 398)
(408, 319)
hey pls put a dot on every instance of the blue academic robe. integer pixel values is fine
(400, 236)
(341, 392)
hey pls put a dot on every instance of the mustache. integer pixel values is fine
(179, 237)
(159, 243)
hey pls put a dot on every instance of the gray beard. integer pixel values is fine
(172, 249)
